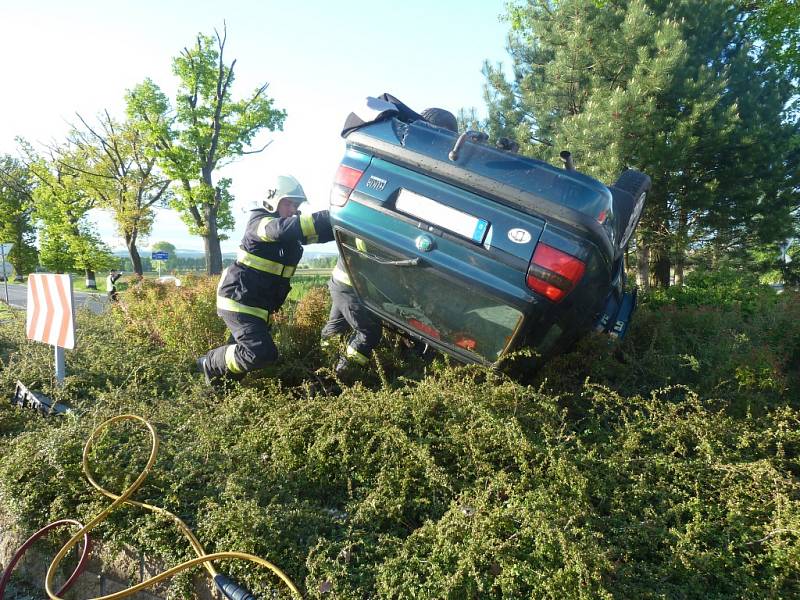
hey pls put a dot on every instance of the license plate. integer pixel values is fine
(442, 216)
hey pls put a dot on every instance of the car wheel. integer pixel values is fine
(629, 193)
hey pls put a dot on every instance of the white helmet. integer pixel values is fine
(284, 186)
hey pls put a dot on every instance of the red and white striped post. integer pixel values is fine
(50, 315)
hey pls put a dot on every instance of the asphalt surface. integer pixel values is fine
(18, 296)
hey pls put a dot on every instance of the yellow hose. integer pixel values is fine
(202, 557)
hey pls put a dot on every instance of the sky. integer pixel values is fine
(320, 57)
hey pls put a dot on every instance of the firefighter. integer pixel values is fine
(347, 315)
(257, 283)
(347, 311)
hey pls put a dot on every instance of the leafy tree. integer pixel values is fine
(206, 130)
(115, 168)
(171, 262)
(67, 238)
(16, 206)
(163, 247)
(671, 88)
(776, 24)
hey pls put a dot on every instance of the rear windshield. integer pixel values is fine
(438, 307)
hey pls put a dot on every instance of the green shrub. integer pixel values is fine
(667, 467)
(181, 319)
(724, 287)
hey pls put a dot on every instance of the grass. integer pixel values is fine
(6, 312)
(668, 467)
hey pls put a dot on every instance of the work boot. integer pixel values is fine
(201, 368)
(216, 382)
(347, 371)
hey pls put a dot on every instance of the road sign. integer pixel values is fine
(50, 310)
(159, 256)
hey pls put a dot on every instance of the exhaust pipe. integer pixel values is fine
(566, 156)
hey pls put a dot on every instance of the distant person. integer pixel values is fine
(348, 314)
(111, 285)
(257, 283)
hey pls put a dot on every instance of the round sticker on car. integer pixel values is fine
(519, 236)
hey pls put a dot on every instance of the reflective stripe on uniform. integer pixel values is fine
(221, 279)
(262, 264)
(356, 356)
(307, 227)
(230, 360)
(339, 275)
(233, 306)
(261, 230)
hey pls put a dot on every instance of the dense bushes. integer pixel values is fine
(671, 472)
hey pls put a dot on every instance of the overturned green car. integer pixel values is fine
(476, 250)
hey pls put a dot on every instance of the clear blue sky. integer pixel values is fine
(321, 58)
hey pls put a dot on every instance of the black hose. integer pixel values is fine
(232, 590)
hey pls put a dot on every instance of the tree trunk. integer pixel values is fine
(679, 267)
(133, 251)
(661, 266)
(643, 265)
(681, 244)
(211, 241)
(91, 283)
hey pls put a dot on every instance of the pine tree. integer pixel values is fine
(671, 88)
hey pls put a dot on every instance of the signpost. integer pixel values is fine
(50, 315)
(159, 256)
(4, 250)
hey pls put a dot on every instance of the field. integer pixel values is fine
(666, 467)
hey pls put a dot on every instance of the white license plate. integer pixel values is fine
(442, 216)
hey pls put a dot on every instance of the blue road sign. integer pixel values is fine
(159, 256)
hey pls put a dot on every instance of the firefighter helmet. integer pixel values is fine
(284, 186)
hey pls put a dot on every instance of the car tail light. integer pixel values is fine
(344, 182)
(554, 273)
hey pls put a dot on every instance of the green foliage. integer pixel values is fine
(724, 288)
(16, 206)
(675, 89)
(181, 320)
(206, 129)
(776, 23)
(67, 239)
(115, 166)
(668, 468)
(172, 261)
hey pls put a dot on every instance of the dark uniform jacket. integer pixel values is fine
(270, 250)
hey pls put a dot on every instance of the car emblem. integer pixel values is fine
(424, 243)
(376, 183)
(519, 236)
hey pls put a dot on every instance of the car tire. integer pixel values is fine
(629, 193)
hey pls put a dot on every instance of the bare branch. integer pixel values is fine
(264, 147)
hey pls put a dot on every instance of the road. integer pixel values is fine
(18, 296)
